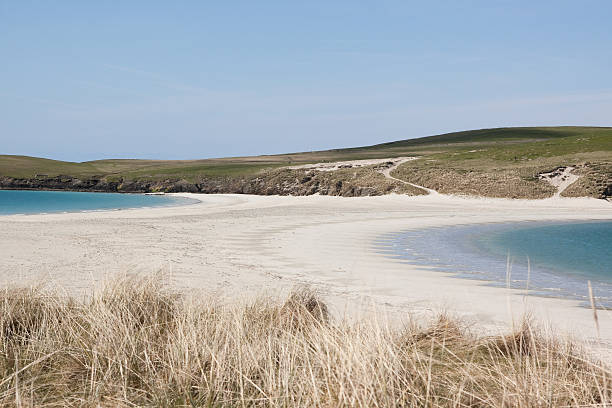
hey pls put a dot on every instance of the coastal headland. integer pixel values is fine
(501, 162)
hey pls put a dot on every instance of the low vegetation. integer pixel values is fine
(137, 343)
(502, 162)
(510, 166)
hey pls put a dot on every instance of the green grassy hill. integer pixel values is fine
(507, 157)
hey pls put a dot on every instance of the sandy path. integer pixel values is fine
(353, 164)
(238, 245)
(392, 163)
(387, 173)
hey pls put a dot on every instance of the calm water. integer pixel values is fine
(32, 202)
(549, 259)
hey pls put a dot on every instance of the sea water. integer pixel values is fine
(33, 202)
(541, 258)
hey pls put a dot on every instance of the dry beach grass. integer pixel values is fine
(135, 342)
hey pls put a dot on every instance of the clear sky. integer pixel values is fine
(83, 80)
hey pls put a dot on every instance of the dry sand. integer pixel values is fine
(239, 244)
(561, 179)
(333, 166)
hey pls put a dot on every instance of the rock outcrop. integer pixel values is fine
(343, 182)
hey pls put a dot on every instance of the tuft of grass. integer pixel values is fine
(135, 342)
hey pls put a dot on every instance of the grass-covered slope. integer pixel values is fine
(136, 343)
(510, 165)
(503, 162)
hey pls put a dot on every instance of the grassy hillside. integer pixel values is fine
(509, 167)
(480, 158)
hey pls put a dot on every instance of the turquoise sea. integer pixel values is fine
(33, 202)
(542, 258)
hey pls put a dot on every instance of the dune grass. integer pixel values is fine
(137, 343)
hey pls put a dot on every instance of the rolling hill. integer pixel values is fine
(501, 162)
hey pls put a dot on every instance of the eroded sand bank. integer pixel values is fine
(238, 244)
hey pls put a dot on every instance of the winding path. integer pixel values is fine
(387, 173)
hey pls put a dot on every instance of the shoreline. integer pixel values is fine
(466, 254)
(252, 244)
(191, 201)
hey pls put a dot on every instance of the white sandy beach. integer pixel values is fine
(239, 244)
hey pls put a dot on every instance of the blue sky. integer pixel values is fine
(179, 80)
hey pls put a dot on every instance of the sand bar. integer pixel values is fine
(240, 244)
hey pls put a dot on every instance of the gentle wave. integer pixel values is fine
(540, 258)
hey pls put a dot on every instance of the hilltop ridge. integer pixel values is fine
(498, 162)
